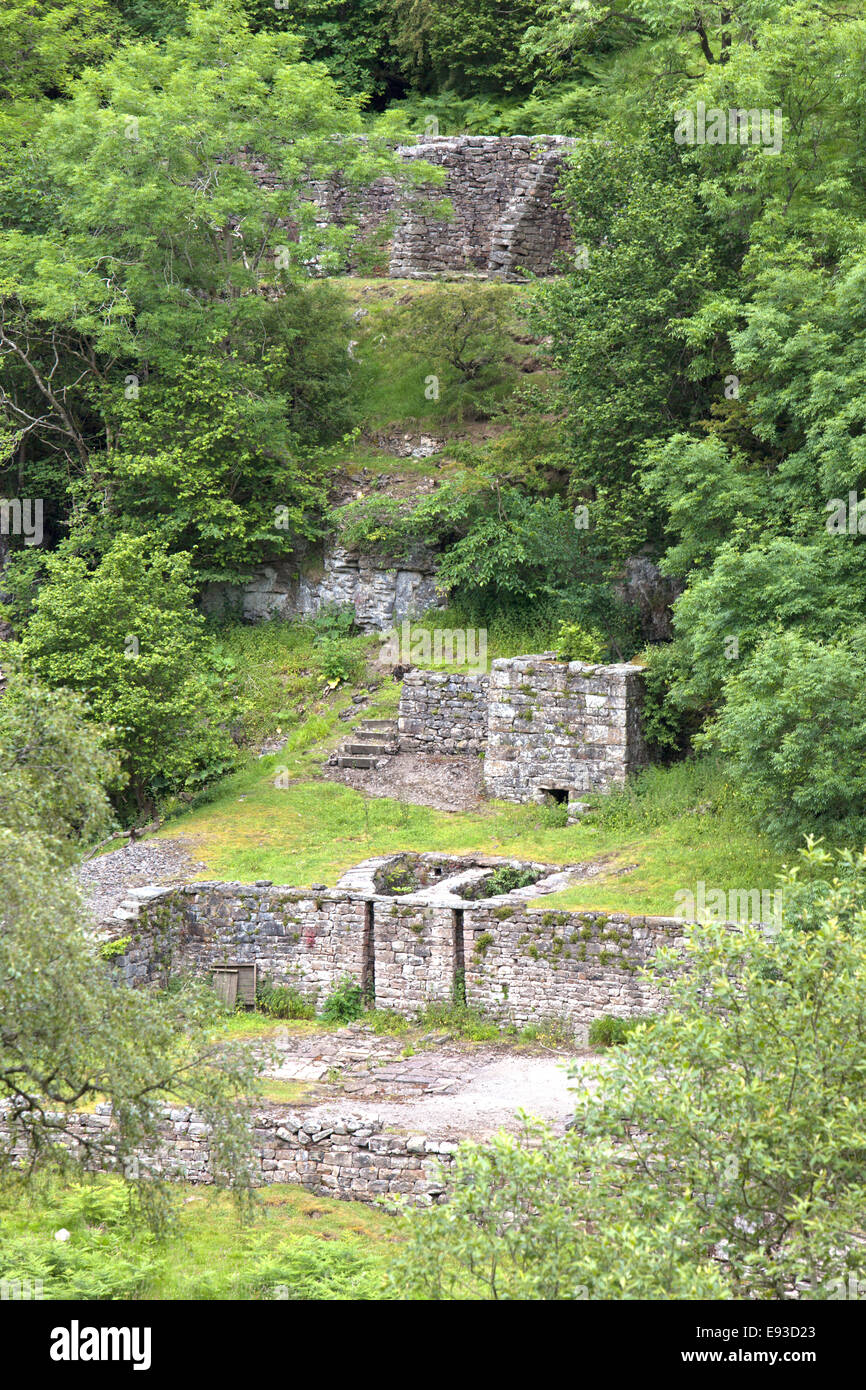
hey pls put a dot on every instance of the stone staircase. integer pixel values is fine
(372, 740)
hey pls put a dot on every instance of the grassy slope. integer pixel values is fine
(311, 831)
(315, 1247)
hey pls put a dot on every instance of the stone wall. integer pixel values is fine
(382, 592)
(294, 935)
(335, 1156)
(561, 727)
(503, 215)
(573, 965)
(543, 725)
(442, 713)
(409, 947)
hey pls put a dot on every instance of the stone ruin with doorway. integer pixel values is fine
(547, 729)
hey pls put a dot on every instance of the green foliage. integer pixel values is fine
(70, 1037)
(54, 766)
(110, 950)
(503, 880)
(43, 47)
(469, 48)
(127, 636)
(609, 1031)
(658, 795)
(283, 1001)
(649, 257)
(353, 38)
(574, 643)
(794, 727)
(345, 1003)
(727, 612)
(666, 724)
(692, 1128)
(338, 660)
(205, 1252)
(160, 334)
(463, 333)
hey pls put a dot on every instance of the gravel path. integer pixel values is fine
(107, 879)
(443, 1087)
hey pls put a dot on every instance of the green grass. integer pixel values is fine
(389, 381)
(685, 828)
(281, 682)
(313, 1247)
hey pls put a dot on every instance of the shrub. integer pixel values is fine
(337, 660)
(110, 950)
(283, 1001)
(794, 726)
(577, 643)
(608, 1031)
(345, 1003)
(503, 880)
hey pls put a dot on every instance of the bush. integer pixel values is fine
(337, 661)
(345, 1003)
(283, 1001)
(576, 643)
(127, 636)
(608, 1031)
(794, 726)
(503, 880)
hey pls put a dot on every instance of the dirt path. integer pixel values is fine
(106, 880)
(445, 783)
(444, 1087)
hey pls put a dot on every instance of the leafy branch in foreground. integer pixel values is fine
(70, 1035)
(718, 1153)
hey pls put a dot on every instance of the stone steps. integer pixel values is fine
(380, 750)
(373, 740)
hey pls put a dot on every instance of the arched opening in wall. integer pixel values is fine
(557, 795)
(368, 956)
(458, 956)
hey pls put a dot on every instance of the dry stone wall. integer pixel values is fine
(415, 956)
(557, 727)
(334, 1156)
(572, 965)
(409, 948)
(295, 936)
(442, 713)
(545, 726)
(503, 215)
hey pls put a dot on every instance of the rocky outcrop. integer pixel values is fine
(381, 591)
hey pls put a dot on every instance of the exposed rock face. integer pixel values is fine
(381, 591)
(653, 594)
